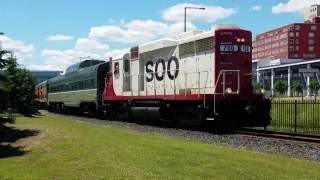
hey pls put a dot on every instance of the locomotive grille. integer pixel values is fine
(134, 52)
(204, 45)
(186, 49)
(198, 46)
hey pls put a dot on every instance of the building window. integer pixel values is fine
(311, 48)
(297, 28)
(291, 34)
(297, 34)
(291, 41)
(313, 28)
(291, 28)
(297, 41)
(297, 48)
(311, 41)
(282, 36)
(311, 34)
(291, 49)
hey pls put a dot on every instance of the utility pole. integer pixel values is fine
(185, 15)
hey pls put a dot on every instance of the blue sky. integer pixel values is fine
(54, 34)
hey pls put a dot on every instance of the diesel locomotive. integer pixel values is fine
(194, 78)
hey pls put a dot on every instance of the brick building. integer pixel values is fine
(293, 41)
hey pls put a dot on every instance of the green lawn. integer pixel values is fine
(68, 149)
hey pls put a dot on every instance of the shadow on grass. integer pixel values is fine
(9, 135)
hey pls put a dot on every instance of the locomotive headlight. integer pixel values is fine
(263, 91)
(238, 39)
(229, 90)
(243, 40)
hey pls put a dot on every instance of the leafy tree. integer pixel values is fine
(3, 89)
(21, 85)
(314, 86)
(281, 87)
(297, 87)
(258, 86)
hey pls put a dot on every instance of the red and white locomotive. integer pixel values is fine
(196, 77)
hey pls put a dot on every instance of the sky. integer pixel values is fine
(51, 35)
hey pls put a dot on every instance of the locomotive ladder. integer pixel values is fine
(222, 74)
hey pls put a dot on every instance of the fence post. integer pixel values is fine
(295, 116)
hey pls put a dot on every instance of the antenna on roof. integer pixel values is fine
(86, 57)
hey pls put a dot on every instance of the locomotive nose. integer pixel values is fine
(251, 109)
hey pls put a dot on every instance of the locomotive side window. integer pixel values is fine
(126, 65)
(116, 70)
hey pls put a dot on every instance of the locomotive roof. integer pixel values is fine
(42, 83)
(157, 44)
(182, 38)
(202, 35)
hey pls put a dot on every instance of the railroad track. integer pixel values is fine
(244, 131)
(280, 135)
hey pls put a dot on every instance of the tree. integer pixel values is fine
(281, 87)
(297, 87)
(21, 84)
(314, 86)
(3, 89)
(258, 86)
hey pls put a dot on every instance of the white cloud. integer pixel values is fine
(48, 67)
(137, 31)
(91, 45)
(210, 14)
(20, 48)
(256, 8)
(293, 6)
(84, 47)
(132, 32)
(60, 37)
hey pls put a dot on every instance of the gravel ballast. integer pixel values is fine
(270, 145)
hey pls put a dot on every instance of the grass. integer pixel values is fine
(68, 149)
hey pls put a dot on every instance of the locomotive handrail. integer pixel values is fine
(174, 86)
(186, 88)
(223, 72)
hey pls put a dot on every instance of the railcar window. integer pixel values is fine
(74, 86)
(81, 85)
(91, 83)
(53, 89)
(87, 84)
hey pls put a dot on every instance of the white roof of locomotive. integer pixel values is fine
(167, 42)
(182, 38)
(157, 44)
(202, 35)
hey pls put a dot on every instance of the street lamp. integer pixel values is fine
(185, 15)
